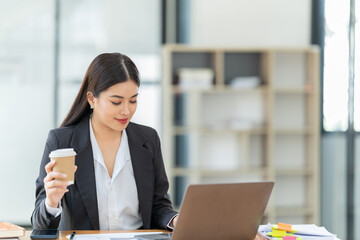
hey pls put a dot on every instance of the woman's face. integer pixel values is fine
(115, 106)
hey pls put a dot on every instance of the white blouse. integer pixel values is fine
(118, 203)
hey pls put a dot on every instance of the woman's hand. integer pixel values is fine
(55, 189)
(174, 221)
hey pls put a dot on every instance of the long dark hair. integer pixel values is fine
(105, 70)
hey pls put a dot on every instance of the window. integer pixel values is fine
(28, 69)
(133, 28)
(336, 68)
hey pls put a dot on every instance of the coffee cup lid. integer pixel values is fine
(65, 152)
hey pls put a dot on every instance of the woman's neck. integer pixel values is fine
(102, 132)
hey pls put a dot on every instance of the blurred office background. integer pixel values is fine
(46, 47)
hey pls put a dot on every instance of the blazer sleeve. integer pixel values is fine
(162, 211)
(40, 218)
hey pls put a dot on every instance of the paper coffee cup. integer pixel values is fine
(64, 163)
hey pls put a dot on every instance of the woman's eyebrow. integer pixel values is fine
(117, 96)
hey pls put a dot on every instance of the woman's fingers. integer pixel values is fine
(55, 190)
(49, 166)
(57, 184)
(52, 175)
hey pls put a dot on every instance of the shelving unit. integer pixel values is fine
(266, 132)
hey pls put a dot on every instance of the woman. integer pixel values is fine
(120, 180)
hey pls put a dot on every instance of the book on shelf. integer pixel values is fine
(9, 230)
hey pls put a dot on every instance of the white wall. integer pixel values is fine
(26, 101)
(250, 23)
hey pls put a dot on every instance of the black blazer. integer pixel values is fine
(80, 206)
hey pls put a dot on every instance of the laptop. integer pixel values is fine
(220, 211)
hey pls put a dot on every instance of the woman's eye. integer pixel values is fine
(116, 103)
(134, 101)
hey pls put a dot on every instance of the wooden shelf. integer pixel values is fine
(294, 211)
(217, 173)
(293, 172)
(218, 89)
(188, 48)
(220, 130)
(260, 130)
(292, 91)
(293, 131)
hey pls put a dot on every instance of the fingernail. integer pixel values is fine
(64, 175)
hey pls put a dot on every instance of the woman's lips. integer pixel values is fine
(122, 121)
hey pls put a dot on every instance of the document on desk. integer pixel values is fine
(303, 231)
(111, 236)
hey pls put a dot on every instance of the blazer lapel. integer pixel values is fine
(143, 168)
(85, 174)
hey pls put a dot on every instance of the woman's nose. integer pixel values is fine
(125, 110)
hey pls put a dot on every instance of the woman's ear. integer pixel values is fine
(90, 99)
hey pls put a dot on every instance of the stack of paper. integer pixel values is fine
(112, 236)
(195, 78)
(296, 232)
(245, 82)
